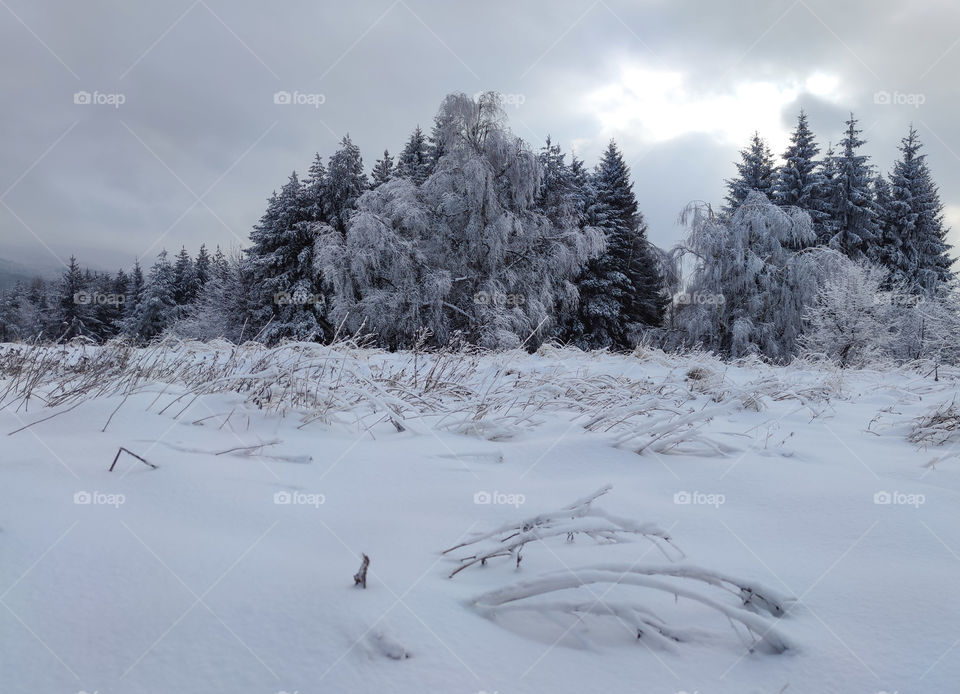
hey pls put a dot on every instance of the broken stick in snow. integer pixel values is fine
(124, 450)
(360, 578)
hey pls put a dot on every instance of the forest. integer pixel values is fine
(471, 237)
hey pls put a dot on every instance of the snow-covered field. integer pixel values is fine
(229, 567)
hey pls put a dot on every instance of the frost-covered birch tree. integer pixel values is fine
(751, 278)
(465, 251)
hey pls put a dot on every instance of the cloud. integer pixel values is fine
(679, 84)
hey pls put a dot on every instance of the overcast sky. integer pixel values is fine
(198, 144)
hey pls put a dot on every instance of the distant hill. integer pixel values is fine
(12, 272)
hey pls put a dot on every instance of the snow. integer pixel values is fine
(232, 571)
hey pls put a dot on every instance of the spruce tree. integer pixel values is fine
(799, 182)
(562, 200)
(105, 307)
(382, 170)
(11, 312)
(201, 266)
(119, 290)
(218, 264)
(557, 194)
(435, 146)
(823, 226)
(314, 193)
(345, 182)
(135, 289)
(413, 162)
(184, 279)
(755, 171)
(74, 310)
(852, 224)
(622, 289)
(285, 289)
(157, 307)
(913, 241)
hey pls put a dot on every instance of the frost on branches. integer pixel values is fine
(751, 278)
(465, 251)
(556, 602)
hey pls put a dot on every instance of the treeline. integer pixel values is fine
(100, 306)
(468, 236)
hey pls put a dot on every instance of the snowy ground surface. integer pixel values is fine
(229, 567)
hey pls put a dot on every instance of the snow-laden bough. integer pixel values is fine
(750, 609)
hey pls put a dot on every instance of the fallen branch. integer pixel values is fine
(753, 601)
(124, 450)
(248, 448)
(578, 518)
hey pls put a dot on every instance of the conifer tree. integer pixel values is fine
(284, 285)
(201, 266)
(913, 243)
(799, 182)
(413, 162)
(345, 182)
(435, 147)
(315, 207)
(184, 279)
(157, 307)
(74, 314)
(852, 223)
(622, 290)
(755, 171)
(382, 170)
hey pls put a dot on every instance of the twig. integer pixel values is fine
(360, 578)
(128, 452)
